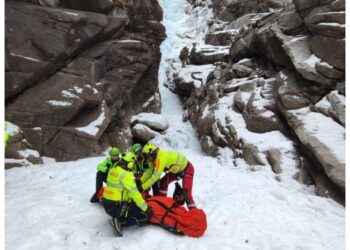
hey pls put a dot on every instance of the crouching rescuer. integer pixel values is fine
(121, 198)
(176, 167)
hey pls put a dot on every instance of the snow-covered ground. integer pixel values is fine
(47, 206)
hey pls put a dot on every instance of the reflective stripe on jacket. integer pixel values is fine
(171, 161)
(121, 186)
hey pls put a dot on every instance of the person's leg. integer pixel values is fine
(155, 188)
(134, 216)
(100, 178)
(187, 183)
(165, 181)
(113, 209)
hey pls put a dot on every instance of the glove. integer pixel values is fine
(149, 212)
(139, 186)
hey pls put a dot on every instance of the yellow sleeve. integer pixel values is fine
(146, 175)
(158, 170)
(130, 185)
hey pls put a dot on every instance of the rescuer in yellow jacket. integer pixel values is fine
(102, 171)
(174, 164)
(121, 198)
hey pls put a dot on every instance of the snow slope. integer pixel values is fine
(47, 206)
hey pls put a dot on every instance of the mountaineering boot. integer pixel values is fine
(94, 198)
(117, 227)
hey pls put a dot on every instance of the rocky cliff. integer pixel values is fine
(76, 71)
(269, 85)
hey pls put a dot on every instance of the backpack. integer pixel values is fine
(175, 218)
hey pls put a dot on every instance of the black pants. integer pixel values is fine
(100, 178)
(128, 214)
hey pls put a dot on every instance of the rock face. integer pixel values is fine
(279, 100)
(76, 74)
(18, 150)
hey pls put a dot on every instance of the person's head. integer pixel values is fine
(137, 149)
(114, 153)
(127, 160)
(150, 152)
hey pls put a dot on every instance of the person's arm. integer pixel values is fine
(103, 166)
(158, 170)
(146, 175)
(130, 185)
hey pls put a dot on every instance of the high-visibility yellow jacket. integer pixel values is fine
(121, 186)
(105, 165)
(171, 161)
(6, 134)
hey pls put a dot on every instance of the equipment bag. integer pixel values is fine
(175, 218)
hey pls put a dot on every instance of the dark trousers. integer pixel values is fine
(100, 178)
(128, 214)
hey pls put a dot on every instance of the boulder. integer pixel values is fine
(190, 77)
(267, 42)
(241, 70)
(208, 146)
(229, 10)
(338, 5)
(324, 186)
(320, 15)
(329, 71)
(324, 139)
(289, 94)
(259, 114)
(302, 5)
(250, 155)
(18, 149)
(209, 55)
(154, 121)
(332, 105)
(305, 61)
(274, 158)
(323, 48)
(221, 38)
(291, 22)
(143, 133)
